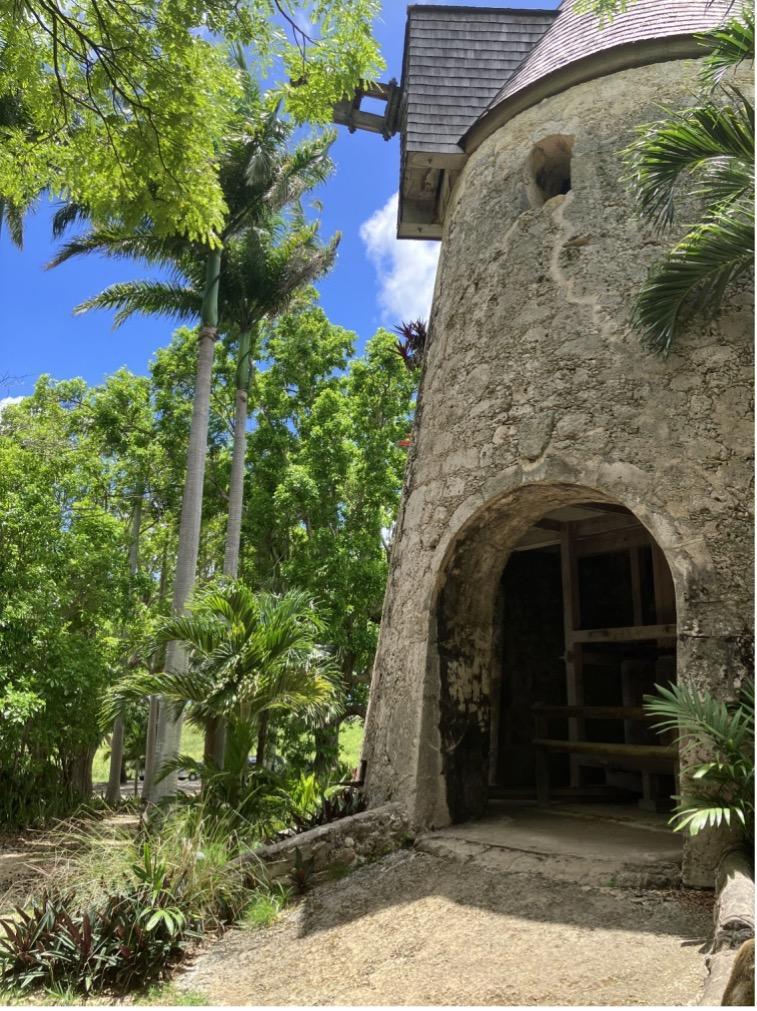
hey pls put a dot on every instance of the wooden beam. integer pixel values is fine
(632, 633)
(571, 618)
(636, 597)
(625, 752)
(627, 681)
(596, 536)
(605, 507)
(605, 524)
(548, 525)
(595, 712)
(611, 541)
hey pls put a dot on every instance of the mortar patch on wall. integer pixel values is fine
(535, 433)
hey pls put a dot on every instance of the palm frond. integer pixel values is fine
(66, 215)
(731, 44)
(693, 714)
(148, 298)
(12, 215)
(138, 244)
(695, 274)
(712, 141)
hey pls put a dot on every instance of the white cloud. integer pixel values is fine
(406, 268)
(6, 401)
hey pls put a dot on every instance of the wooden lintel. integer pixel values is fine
(598, 543)
(632, 633)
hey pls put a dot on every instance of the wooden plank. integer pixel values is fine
(613, 540)
(592, 537)
(597, 749)
(571, 618)
(599, 658)
(595, 712)
(546, 524)
(605, 524)
(632, 633)
(626, 679)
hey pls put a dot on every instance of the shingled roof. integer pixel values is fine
(574, 47)
(467, 70)
(456, 60)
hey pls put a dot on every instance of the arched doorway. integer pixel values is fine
(557, 615)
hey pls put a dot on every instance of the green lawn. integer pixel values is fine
(191, 744)
(350, 743)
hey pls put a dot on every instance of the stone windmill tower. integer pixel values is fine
(575, 520)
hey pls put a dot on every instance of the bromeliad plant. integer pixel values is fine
(720, 788)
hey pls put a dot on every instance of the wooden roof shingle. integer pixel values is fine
(456, 60)
(575, 36)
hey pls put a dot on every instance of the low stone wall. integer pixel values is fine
(734, 924)
(338, 846)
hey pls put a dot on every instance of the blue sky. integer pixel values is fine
(375, 282)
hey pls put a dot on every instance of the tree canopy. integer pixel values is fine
(126, 107)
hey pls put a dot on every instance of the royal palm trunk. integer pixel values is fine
(215, 732)
(168, 731)
(113, 792)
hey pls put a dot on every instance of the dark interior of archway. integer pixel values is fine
(603, 648)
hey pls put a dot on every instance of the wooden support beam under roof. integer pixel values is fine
(604, 532)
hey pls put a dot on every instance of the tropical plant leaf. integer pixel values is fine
(695, 274)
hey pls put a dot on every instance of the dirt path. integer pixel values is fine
(421, 929)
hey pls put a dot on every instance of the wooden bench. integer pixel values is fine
(647, 757)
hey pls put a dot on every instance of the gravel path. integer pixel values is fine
(420, 929)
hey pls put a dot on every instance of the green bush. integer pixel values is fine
(128, 940)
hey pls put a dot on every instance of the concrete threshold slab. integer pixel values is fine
(565, 845)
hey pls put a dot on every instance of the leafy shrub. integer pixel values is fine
(129, 939)
(312, 806)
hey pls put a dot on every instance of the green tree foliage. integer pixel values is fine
(126, 107)
(64, 596)
(325, 477)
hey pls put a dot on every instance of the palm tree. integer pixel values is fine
(249, 655)
(11, 212)
(260, 179)
(718, 789)
(710, 145)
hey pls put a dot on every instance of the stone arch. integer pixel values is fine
(463, 635)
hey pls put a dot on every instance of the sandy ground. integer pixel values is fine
(416, 928)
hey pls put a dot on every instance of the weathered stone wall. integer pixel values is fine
(338, 846)
(536, 394)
